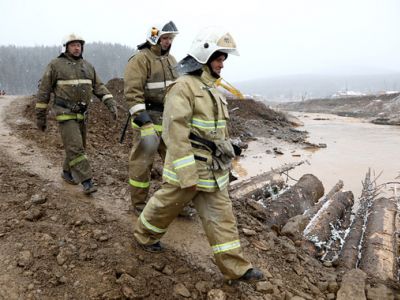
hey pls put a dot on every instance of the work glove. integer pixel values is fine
(41, 123)
(110, 103)
(149, 139)
(222, 158)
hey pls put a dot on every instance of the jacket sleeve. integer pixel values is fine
(45, 89)
(178, 111)
(101, 91)
(134, 82)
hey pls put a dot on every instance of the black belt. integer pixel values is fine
(75, 107)
(201, 158)
(155, 106)
(208, 144)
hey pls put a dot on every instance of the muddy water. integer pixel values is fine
(353, 146)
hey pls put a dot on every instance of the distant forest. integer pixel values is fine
(22, 67)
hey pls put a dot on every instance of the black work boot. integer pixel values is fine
(154, 248)
(252, 274)
(88, 187)
(67, 176)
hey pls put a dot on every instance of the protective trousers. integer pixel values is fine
(215, 211)
(73, 134)
(141, 161)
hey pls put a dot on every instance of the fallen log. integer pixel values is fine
(319, 228)
(378, 256)
(313, 210)
(295, 226)
(263, 185)
(349, 254)
(300, 197)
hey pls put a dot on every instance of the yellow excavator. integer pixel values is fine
(229, 87)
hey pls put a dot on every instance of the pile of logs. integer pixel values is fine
(333, 228)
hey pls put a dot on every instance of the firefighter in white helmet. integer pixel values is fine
(198, 158)
(73, 81)
(148, 74)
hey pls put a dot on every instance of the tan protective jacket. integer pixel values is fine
(147, 76)
(72, 81)
(193, 104)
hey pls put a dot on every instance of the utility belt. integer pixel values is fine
(210, 145)
(75, 107)
(205, 144)
(154, 106)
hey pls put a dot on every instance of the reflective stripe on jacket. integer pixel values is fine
(147, 76)
(71, 80)
(193, 104)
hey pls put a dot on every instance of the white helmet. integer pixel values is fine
(156, 32)
(71, 38)
(210, 40)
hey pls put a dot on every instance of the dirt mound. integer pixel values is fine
(380, 109)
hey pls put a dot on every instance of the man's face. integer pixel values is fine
(217, 64)
(75, 49)
(166, 41)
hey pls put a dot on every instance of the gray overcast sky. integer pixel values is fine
(274, 37)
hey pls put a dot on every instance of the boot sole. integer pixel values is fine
(69, 181)
(90, 191)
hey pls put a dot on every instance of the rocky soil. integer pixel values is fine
(56, 243)
(379, 109)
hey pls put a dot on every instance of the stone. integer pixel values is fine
(25, 259)
(265, 287)
(180, 289)
(353, 285)
(204, 286)
(216, 294)
(379, 291)
(249, 232)
(38, 199)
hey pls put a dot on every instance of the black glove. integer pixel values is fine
(41, 123)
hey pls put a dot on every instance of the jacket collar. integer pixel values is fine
(156, 49)
(207, 78)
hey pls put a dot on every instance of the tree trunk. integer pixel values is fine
(319, 228)
(349, 254)
(300, 197)
(314, 210)
(379, 245)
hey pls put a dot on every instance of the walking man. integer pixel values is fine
(148, 74)
(198, 158)
(73, 81)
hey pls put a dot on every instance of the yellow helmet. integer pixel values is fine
(71, 38)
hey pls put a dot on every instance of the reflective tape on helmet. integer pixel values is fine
(77, 160)
(206, 124)
(184, 162)
(139, 184)
(138, 107)
(226, 247)
(41, 105)
(74, 82)
(66, 117)
(105, 97)
(150, 226)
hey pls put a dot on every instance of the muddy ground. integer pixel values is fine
(378, 109)
(56, 243)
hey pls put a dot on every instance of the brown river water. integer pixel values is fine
(353, 146)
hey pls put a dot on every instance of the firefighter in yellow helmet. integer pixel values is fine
(148, 74)
(73, 81)
(198, 158)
